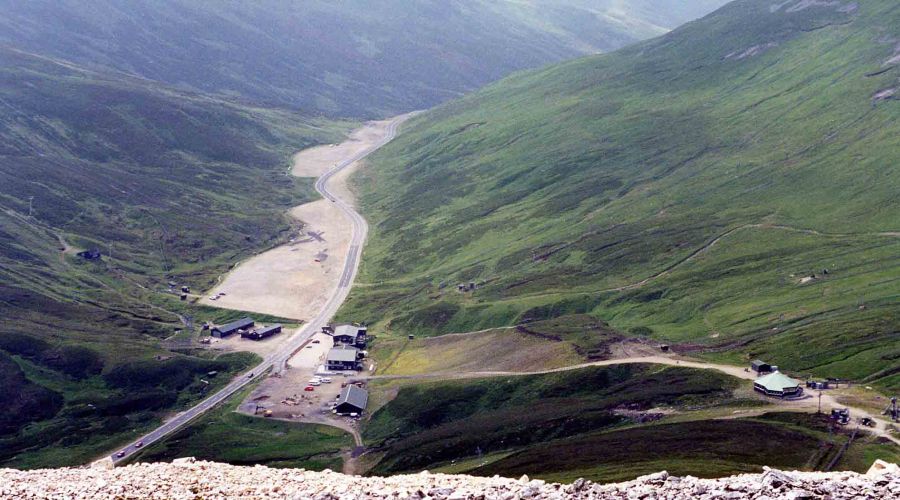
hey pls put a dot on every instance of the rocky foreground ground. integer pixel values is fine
(189, 478)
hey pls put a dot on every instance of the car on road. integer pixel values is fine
(309, 388)
(120, 454)
(139, 444)
(250, 375)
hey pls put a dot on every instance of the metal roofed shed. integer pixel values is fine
(346, 330)
(343, 358)
(261, 333)
(760, 366)
(232, 328)
(779, 385)
(352, 400)
(354, 335)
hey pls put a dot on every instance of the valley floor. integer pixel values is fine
(296, 280)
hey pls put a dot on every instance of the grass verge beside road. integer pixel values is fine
(223, 435)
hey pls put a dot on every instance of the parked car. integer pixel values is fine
(317, 341)
(325, 380)
(309, 388)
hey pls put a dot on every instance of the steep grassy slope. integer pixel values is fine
(700, 448)
(349, 58)
(438, 422)
(605, 424)
(168, 186)
(685, 188)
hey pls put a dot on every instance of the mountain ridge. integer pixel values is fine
(359, 58)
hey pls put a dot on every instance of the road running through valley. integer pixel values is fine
(278, 359)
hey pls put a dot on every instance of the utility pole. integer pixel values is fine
(820, 402)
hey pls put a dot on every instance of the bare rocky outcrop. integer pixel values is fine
(189, 478)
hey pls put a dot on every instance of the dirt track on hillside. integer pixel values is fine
(808, 403)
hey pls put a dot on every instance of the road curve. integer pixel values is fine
(278, 360)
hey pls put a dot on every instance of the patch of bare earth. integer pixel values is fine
(493, 350)
(295, 280)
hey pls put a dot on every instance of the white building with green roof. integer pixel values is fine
(778, 384)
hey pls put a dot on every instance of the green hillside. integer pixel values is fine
(356, 58)
(168, 186)
(605, 424)
(687, 188)
(437, 422)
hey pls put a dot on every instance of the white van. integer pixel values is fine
(325, 380)
(314, 382)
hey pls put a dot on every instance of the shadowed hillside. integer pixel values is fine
(601, 423)
(351, 58)
(167, 186)
(729, 188)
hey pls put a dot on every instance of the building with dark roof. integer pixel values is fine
(352, 400)
(760, 367)
(343, 358)
(261, 333)
(232, 328)
(353, 335)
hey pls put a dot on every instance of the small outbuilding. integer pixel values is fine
(343, 358)
(817, 384)
(231, 328)
(779, 385)
(760, 366)
(261, 333)
(92, 254)
(352, 400)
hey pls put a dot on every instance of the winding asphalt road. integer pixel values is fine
(277, 361)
